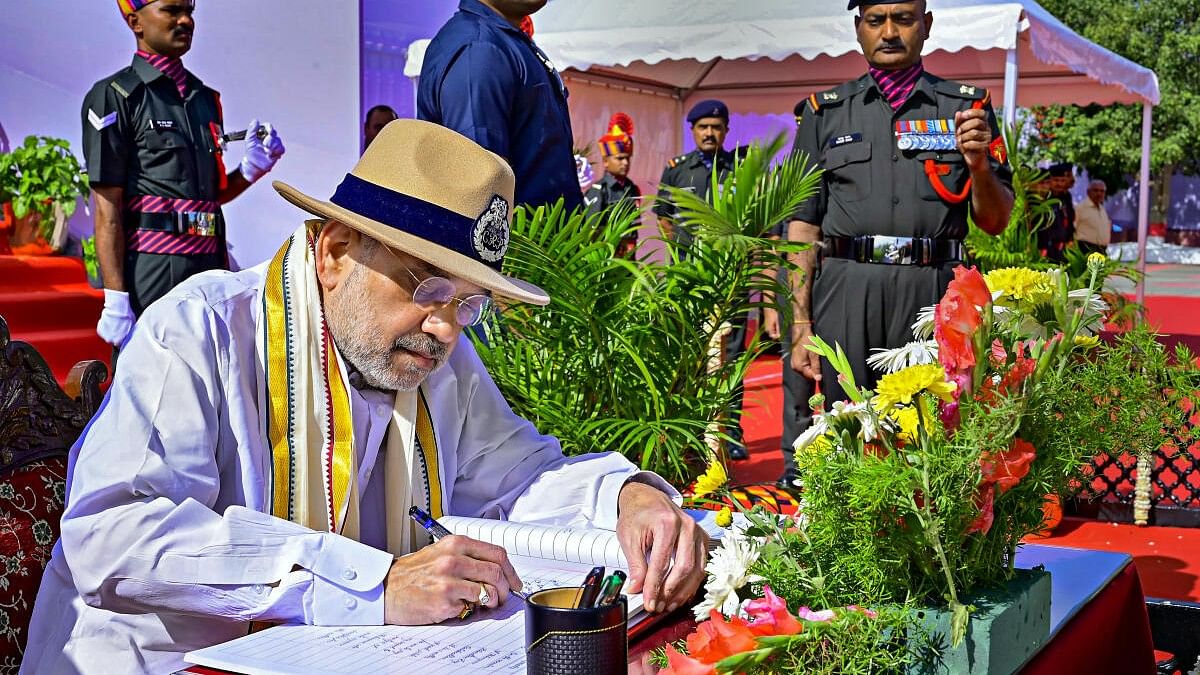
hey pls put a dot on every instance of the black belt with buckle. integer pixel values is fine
(196, 223)
(885, 250)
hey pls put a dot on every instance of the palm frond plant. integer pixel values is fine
(622, 357)
(1032, 212)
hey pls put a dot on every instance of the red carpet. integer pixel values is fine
(48, 303)
(1167, 558)
(762, 423)
(1174, 314)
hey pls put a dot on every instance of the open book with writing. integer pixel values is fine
(491, 641)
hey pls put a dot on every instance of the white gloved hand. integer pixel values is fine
(117, 319)
(261, 153)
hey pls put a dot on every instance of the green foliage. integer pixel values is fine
(851, 642)
(932, 513)
(1119, 399)
(1162, 35)
(39, 174)
(90, 262)
(623, 357)
(1032, 211)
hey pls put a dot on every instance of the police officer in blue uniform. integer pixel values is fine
(486, 79)
(693, 171)
(906, 156)
(153, 145)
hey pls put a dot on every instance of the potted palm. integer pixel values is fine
(42, 182)
(622, 358)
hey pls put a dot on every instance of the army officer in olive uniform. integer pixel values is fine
(153, 145)
(906, 155)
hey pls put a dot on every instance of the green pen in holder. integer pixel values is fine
(563, 640)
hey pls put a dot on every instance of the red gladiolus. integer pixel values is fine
(969, 282)
(984, 500)
(769, 615)
(682, 664)
(717, 638)
(954, 320)
(999, 354)
(1006, 469)
(949, 416)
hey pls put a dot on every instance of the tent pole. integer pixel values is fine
(1144, 201)
(1010, 87)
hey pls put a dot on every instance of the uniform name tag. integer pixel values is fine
(844, 139)
(163, 124)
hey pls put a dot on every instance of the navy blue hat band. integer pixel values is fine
(417, 217)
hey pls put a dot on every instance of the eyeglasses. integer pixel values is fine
(433, 293)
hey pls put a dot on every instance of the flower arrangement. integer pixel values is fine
(918, 493)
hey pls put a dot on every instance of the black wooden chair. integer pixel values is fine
(39, 422)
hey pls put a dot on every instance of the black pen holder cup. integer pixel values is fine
(562, 640)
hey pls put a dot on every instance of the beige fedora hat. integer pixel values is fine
(434, 194)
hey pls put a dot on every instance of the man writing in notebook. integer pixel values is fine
(259, 450)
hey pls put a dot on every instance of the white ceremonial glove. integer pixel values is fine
(261, 153)
(117, 319)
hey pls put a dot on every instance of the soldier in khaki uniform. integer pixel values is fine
(906, 156)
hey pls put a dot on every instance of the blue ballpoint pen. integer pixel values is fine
(436, 530)
(433, 527)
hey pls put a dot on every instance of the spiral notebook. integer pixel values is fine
(491, 641)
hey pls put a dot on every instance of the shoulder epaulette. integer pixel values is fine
(672, 162)
(835, 96)
(125, 82)
(960, 90)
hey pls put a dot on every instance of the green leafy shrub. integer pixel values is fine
(38, 175)
(623, 358)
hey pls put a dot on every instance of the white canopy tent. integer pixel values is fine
(761, 56)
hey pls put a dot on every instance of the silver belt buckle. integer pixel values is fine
(197, 223)
(892, 250)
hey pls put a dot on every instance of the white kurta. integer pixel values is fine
(166, 546)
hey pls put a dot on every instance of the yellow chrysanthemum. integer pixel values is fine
(1096, 260)
(1020, 284)
(713, 479)
(1087, 341)
(807, 456)
(903, 385)
(907, 419)
(724, 517)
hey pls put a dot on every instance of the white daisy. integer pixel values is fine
(911, 354)
(922, 328)
(1094, 307)
(860, 411)
(819, 426)
(728, 571)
